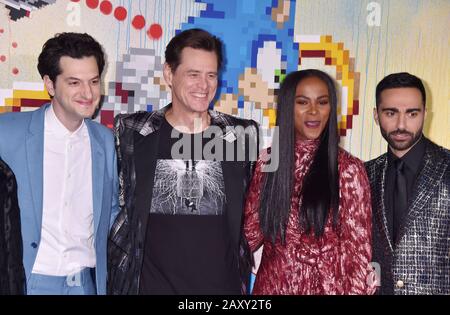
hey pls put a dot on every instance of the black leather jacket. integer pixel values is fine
(12, 274)
(127, 236)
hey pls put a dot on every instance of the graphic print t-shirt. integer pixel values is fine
(188, 249)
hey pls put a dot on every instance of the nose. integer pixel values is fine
(401, 122)
(86, 91)
(203, 82)
(313, 109)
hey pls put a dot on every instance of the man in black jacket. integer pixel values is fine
(12, 275)
(410, 194)
(184, 172)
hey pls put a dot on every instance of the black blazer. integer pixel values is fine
(420, 262)
(12, 274)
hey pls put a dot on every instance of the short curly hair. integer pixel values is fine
(74, 45)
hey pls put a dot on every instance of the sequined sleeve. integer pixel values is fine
(355, 231)
(252, 228)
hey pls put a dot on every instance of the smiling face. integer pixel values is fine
(76, 90)
(194, 82)
(400, 115)
(312, 108)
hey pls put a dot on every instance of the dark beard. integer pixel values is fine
(401, 146)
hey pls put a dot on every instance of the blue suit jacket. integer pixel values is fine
(22, 147)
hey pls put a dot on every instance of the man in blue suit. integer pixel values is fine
(66, 171)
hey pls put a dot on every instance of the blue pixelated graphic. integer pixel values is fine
(244, 27)
(211, 13)
(241, 101)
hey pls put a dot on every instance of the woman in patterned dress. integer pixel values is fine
(313, 213)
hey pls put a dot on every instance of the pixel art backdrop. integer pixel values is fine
(357, 42)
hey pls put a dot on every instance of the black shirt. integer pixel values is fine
(413, 164)
(188, 249)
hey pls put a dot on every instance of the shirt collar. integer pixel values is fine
(55, 126)
(413, 158)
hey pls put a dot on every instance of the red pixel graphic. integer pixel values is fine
(106, 7)
(120, 13)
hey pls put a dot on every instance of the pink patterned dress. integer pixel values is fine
(336, 263)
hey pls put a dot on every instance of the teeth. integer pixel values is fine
(199, 94)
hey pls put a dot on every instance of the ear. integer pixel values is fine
(375, 116)
(168, 74)
(49, 85)
(425, 114)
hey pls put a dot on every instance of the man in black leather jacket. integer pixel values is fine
(179, 230)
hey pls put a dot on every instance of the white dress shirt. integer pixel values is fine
(67, 235)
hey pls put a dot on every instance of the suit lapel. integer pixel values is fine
(144, 171)
(35, 162)
(98, 171)
(233, 174)
(429, 177)
(380, 207)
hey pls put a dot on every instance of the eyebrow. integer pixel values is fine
(303, 96)
(395, 109)
(198, 71)
(78, 79)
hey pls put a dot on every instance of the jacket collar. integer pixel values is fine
(154, 121)
(428, 180)
(431, 174)
(35, 159)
